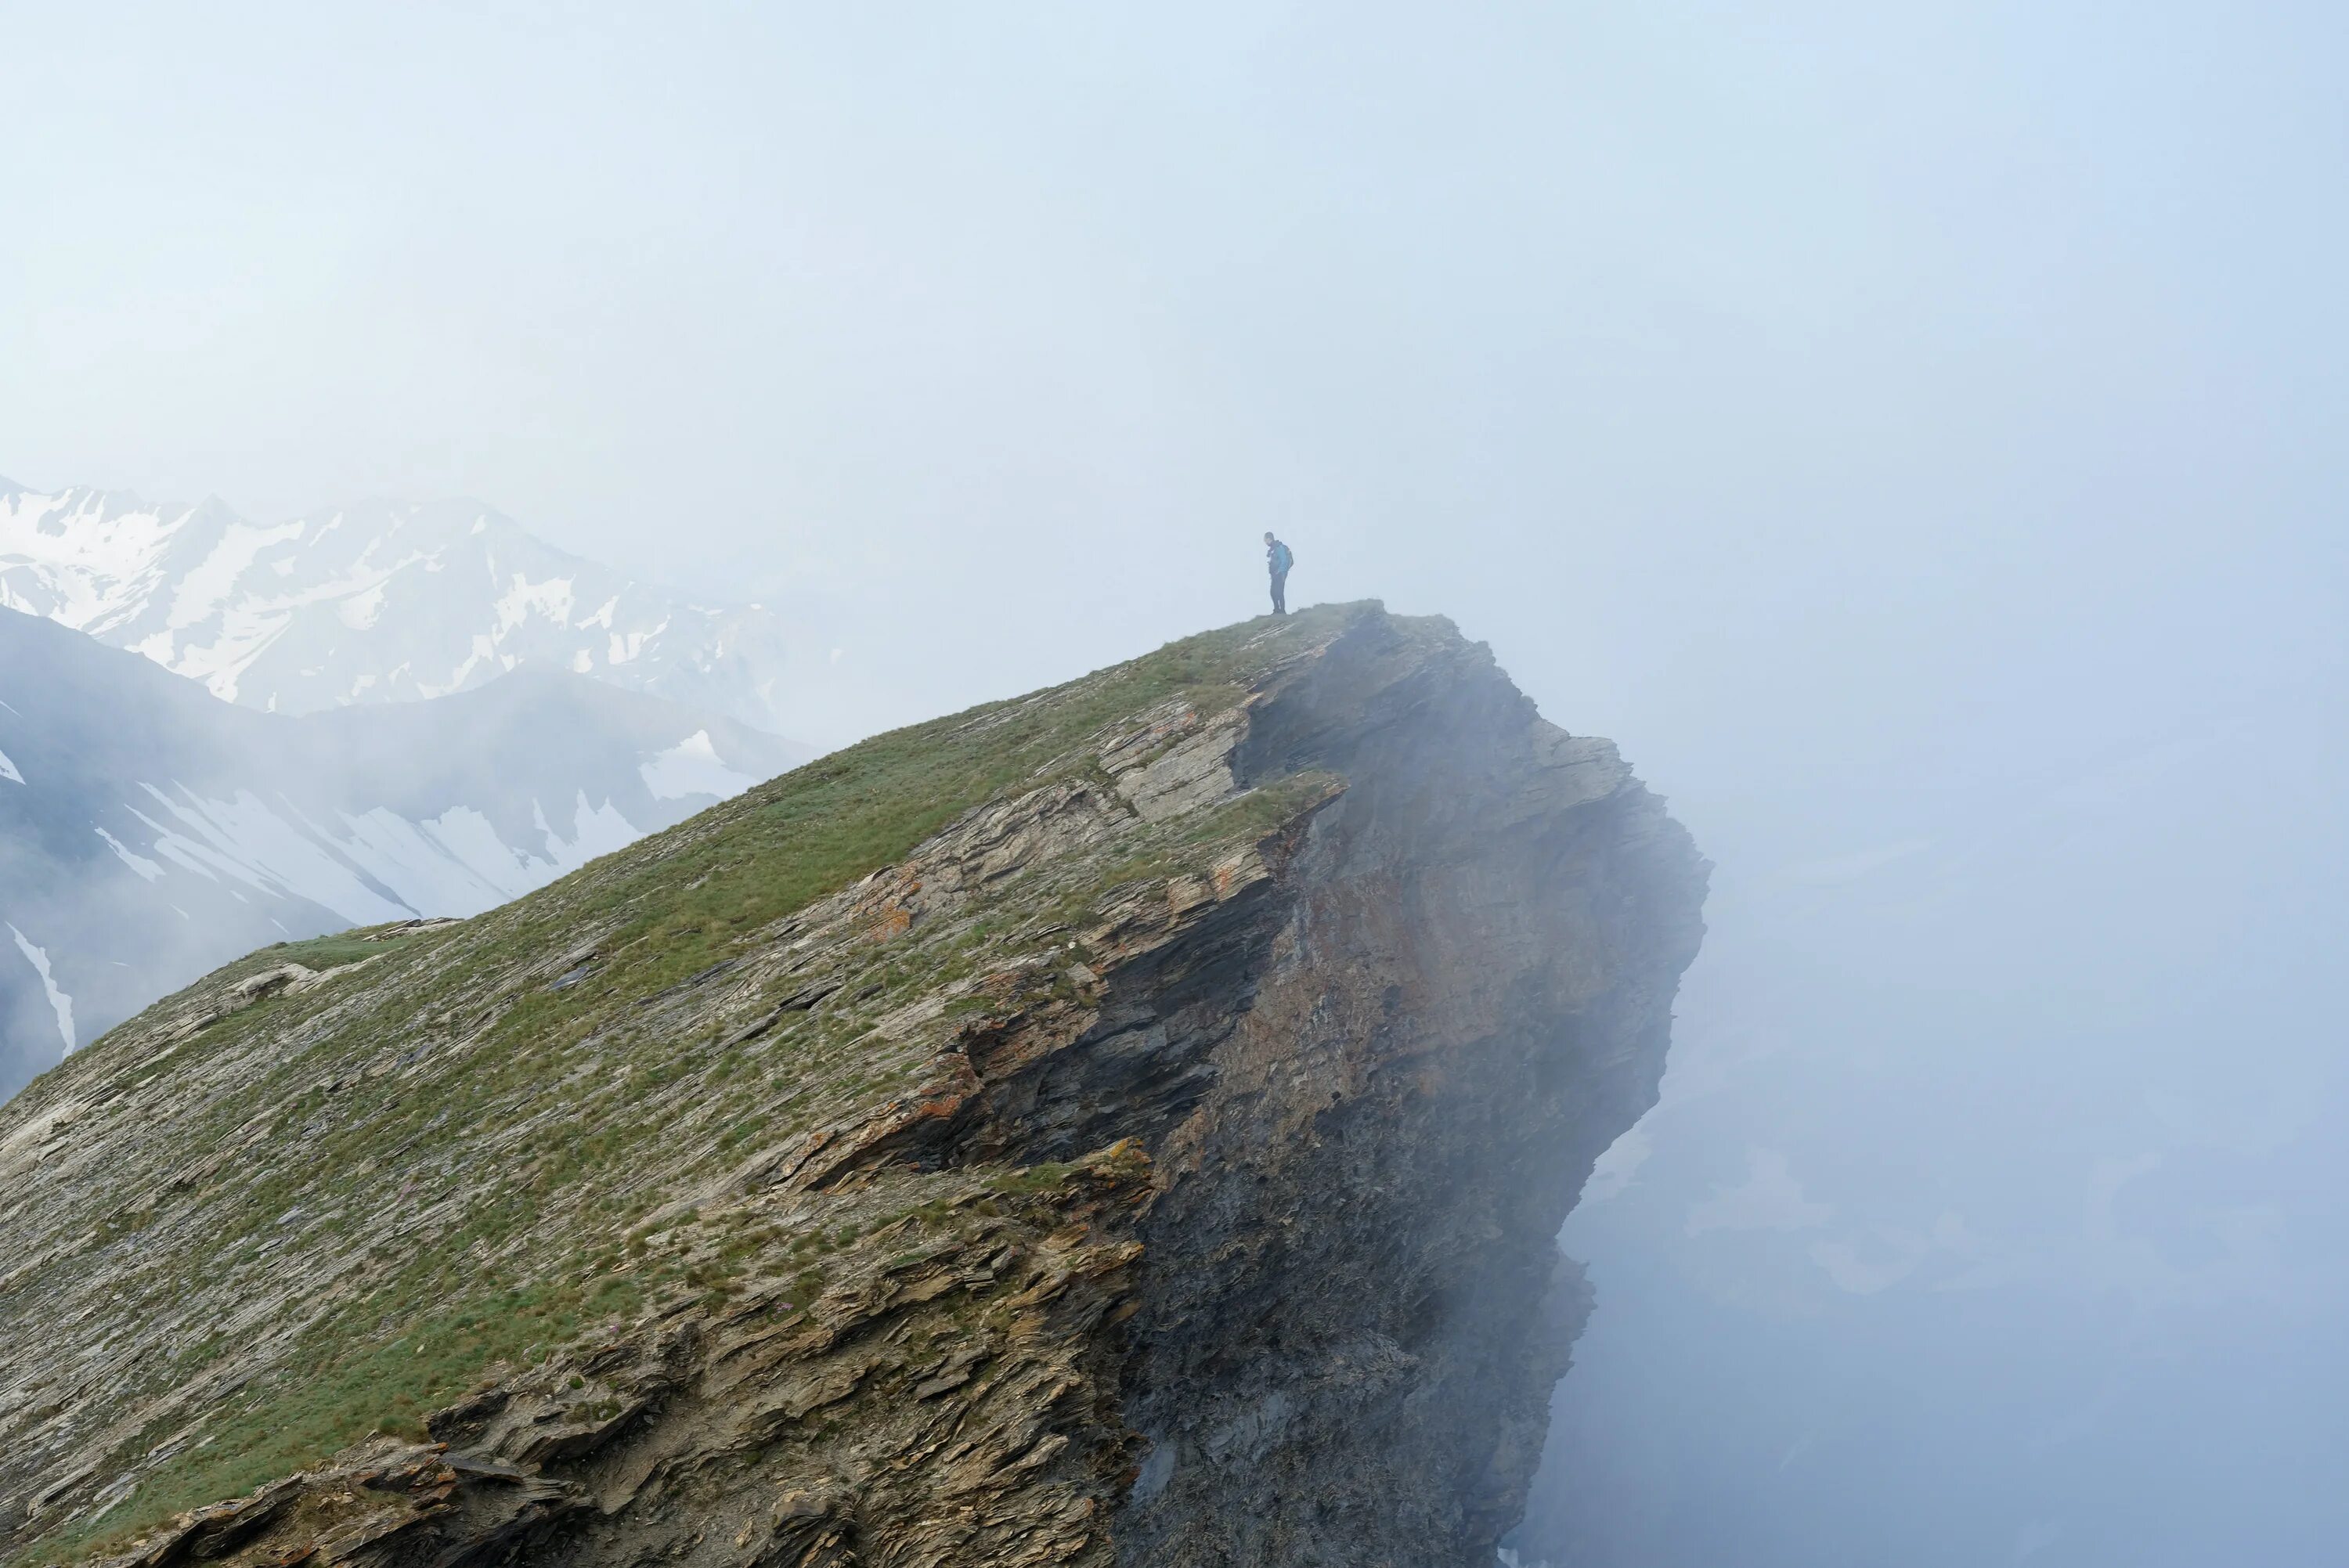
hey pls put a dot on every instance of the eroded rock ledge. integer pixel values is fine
(1158, 1163)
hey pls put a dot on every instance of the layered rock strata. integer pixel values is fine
(1125, 1126)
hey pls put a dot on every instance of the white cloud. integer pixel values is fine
(1769, 1198)
(1887, 1254)
(1836, 870)
(2036, 1536)
(1615, 1168)
(1857, 1275)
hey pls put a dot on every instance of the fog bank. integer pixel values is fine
(1912, 433)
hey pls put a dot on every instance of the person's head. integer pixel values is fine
(1267, 536)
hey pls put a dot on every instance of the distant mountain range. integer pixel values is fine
(368, 604)
(149, 832)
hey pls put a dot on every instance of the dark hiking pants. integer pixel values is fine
(1280, 593)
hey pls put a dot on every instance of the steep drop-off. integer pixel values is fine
(1124, 1125)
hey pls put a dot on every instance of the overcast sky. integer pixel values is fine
(1893, 423)
(1024, 321)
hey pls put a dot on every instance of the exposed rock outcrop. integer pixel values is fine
(1125, 1126)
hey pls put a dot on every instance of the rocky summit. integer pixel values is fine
(1129, 1124)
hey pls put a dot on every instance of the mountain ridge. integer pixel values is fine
(1128, 1123)
(148, 831)
(382, 600)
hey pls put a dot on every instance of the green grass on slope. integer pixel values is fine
(332, 952)
(823, 826)
(574, 1094)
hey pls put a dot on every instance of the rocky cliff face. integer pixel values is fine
(1126, 1125)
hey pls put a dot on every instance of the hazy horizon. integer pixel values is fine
(1912, 435)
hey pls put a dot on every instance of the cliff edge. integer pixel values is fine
(1129, 1124)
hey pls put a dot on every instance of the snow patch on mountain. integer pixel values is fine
(371, 866)
(153, 833)
(147, 869)
(386, 602)
(692, 767)
(60, 1004)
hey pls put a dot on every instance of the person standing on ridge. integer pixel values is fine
(1278, 560)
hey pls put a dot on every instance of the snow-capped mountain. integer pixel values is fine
(149, 833)
(378, 602)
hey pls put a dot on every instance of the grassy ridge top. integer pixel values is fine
(332, 1212)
